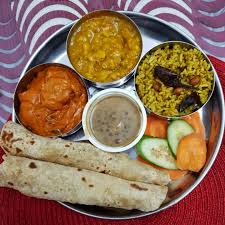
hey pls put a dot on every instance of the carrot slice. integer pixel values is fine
(177, 174)
(191, 152)
(174, 174)
(156, 127)
(195, 121)
(177, 186)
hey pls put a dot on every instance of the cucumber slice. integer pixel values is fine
(156, 151)
(176, 130)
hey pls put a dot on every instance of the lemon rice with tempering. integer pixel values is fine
(185, 62)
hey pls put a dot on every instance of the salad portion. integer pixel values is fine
(177, 146)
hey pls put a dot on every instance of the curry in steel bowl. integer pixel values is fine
(174, 79)
(104, 47)
(49, 100)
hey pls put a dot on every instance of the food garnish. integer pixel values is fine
(176, 130)
(156, 127)
(178, 91)
(157, 86)
(187, 137)
(174, 174)
(195, 121)
(169, 78)
(195, 80)
(191, 153)
(157, 151)
(192, 99)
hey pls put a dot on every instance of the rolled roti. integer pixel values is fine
(68, 184)
(16, 140)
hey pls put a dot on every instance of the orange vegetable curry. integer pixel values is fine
(53, 102)
(105, 48)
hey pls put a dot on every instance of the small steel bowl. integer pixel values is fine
(98, 98)
(28, 77)
(188, 46)
(95, 14)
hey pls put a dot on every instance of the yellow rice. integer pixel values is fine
(185, 62)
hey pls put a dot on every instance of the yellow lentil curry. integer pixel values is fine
(105, 48)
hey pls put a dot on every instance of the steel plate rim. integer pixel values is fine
(216, 149)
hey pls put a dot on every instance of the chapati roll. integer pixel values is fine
(68, 184)
(16, 140)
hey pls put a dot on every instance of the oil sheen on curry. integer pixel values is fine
(105, 48)
(53, 102)
(115, 121)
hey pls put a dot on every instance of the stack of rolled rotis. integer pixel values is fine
(77, 172)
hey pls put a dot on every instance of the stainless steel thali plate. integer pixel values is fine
(153, 31)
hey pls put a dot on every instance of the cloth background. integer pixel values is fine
(25, 24)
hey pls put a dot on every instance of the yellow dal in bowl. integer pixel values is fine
(105, 48)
